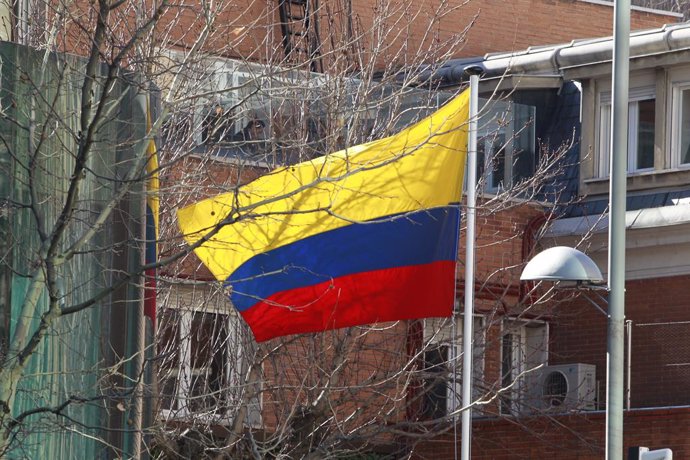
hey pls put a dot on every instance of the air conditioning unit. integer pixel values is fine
(565, 388)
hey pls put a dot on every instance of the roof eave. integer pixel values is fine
(578, 54)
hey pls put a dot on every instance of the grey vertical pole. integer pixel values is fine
(617, 196)
(628, 365)
(466, 439)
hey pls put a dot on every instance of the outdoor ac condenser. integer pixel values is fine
(566, 387)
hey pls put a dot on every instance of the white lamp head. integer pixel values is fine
(562, 263)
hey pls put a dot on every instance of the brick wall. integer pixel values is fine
(498, 26)
(400, 31)
(576, 437)
(499, 244)
(518, 24)
(359, 369)
(193, 179)
(660, 364)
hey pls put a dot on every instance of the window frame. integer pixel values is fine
(604, 108)
(499, 134)
(185, 303)
(523, 374)
(228, 79)
(438, 332)
(676, 129)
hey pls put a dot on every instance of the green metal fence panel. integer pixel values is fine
(41, 97)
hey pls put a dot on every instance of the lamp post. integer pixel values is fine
(564, 264)
(617, 196)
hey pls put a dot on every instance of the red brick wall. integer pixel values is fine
(576, 437)
(359, 369)
(518, 24)
(499, 25)
(499, 244)
(190, 180)
(660, 364)
(400, 31)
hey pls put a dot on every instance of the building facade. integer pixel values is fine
(568, 420)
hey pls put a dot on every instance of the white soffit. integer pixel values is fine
(665, 216)
(657, 240)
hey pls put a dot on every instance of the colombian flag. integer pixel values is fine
(363, 235)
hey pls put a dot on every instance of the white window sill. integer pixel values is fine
(641, 180)
(646, 172)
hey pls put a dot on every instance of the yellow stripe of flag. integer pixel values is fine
(420, 167)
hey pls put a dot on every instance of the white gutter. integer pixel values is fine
(552, 60)
(580, 52)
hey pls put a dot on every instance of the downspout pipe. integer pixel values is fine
(528, 243)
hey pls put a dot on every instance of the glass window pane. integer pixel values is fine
(169, 351)
(506, 144)
(524, 158)
(604, 139)
(169, 338)
(496, 161)
(436, 381)
(685, 127)
(507, 369)
(491, 160)
(209, 342)
(645, 134)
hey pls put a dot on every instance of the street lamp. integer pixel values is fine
(567, 265)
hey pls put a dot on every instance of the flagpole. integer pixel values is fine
(467, 334)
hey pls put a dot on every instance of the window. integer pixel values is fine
(506, 145)
(266, 116)
(524, 347)
(641, 128)
(203, 354)
(225, 110)
(234, 121)
(680, 130)
(442, 356)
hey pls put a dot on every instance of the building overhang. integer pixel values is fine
(577, 59)
(657, 240)
(521, 82)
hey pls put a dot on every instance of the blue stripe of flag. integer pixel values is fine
(411, 239)
(151, 238)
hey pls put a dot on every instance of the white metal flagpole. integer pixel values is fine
(467, 334)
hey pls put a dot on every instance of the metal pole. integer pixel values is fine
(617, 196)
(467, 334)
(628, 326)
